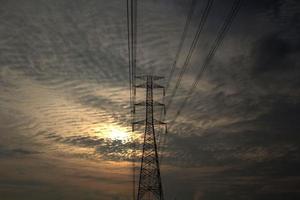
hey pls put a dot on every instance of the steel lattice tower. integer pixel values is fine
(150, 186)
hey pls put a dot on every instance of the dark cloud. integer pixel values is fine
(273, 53)
(269, 137)
(17, 152)
(18, 183)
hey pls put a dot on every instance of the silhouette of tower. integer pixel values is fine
(150, 186)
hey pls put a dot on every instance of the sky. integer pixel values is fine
(64, 100)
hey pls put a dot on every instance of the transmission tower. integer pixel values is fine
(150, 186)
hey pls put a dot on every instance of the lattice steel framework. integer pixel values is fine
(150, 186)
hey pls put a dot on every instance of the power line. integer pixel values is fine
(129, 57)
(134, 36)
(191, 50)
(134, 45)
(173, 67)
(174, 64)
(201, 24)
(130, 87)
(182, 39)
(218, 41)
(131, 37)
(223, 31)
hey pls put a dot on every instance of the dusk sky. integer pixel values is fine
(65, 128)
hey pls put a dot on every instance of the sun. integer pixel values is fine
(118, 134)
(113, 132)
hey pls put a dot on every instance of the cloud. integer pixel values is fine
(104, 148)
(272, 53)
(15, 152)
(64, 77)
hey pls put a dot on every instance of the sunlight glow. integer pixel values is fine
(119, 134)
(114, 132)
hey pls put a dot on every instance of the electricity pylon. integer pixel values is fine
(150, 186)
